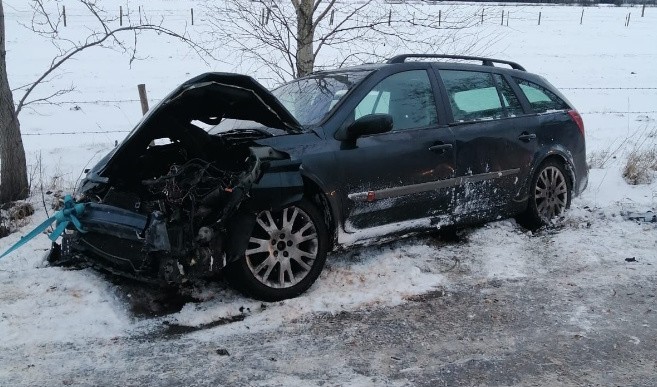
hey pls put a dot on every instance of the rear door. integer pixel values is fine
(494, 145)
(548, 117)
(396, 176)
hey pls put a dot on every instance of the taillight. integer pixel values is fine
(574, 114)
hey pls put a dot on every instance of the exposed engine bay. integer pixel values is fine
(173, 202)
(178, 216)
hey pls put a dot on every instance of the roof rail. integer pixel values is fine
(484, 61)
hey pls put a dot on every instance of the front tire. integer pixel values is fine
(550, 193)
(286, 253)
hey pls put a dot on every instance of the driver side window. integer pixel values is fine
(406, 96)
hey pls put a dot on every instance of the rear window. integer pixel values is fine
(472, 95)
(540, 99)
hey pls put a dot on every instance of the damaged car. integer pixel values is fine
(226, 177)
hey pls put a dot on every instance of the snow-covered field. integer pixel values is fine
(606, 69)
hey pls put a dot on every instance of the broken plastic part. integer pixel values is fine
(647, 217)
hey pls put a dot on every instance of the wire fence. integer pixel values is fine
(154, 101)
(71, 133)
(484, 12)
(76, 133)
(489, 14)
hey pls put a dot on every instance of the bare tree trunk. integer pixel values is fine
(305, 35)
(13, 170)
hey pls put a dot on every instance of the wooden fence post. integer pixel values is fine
(64, 14)
(502, 18)
(141, 88)
(389, 17)
(581, 19)
(508, 16)
(643, 9)
(439, 16)
(120, 15)
(628, 19)
(140, 15)
(192, 12)
(332, 15)
(539, 18)
(482, 16)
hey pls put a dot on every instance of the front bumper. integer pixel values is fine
(123, 242)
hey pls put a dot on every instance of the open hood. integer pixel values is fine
(208, 98)
(211, 97)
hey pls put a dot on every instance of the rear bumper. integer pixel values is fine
(582, 182)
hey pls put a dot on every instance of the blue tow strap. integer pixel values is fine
(67, 215)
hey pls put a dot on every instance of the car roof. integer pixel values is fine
(438, 60)
(361, 67)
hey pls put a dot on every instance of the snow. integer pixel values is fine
(593, 64)
(350, 281)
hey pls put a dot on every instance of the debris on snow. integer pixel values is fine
(647, 217)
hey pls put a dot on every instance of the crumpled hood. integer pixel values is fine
(214, 96)
(208, 98)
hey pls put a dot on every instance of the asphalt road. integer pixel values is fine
(566, 319)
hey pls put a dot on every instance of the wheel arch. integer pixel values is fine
(557, 154)
(325, 202)
(307, 186)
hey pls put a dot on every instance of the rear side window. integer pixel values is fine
(509, 98)
(472, 95)
(540, 99)
(406, 96)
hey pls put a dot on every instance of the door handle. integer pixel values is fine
(526, 137)
(440, 148)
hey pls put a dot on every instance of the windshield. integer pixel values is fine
(310, 99)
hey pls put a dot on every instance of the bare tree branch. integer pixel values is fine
(48, 99)
(298, 36)
(105, 34)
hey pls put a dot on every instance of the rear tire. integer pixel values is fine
(285, 255)
(550, 193)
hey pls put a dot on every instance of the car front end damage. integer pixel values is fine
(187, 224)
(185, 208)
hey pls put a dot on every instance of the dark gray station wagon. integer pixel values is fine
(224, 176)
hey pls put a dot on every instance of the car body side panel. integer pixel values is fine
(490, 159)
(394, 167)
(318, 165)
(558, 135)
(491, 148)
(277, 189)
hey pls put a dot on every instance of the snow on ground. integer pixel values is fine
(588, 62)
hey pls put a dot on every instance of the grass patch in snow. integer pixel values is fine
(640, 167)
(641, 162)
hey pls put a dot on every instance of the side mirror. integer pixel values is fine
(369, 124)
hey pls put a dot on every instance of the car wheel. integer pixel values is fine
(285, 255)
(550, 193)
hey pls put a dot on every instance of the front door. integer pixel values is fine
(396, 177)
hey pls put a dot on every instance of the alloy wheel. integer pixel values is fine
(551, 193)
(282, 248)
